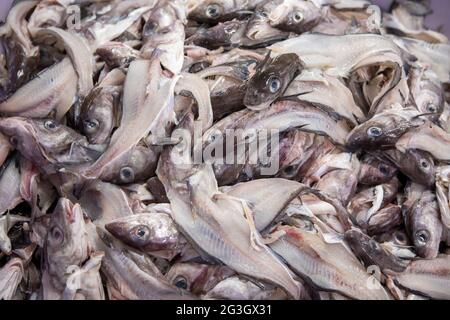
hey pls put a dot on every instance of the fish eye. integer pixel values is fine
(274, 84)
(180, 282)
(14, 141)
(432, 108)
(50, 125)
(91, 125)
(374, 132)
(126, 174)
(289, 171)
(297, 16)
(213, 11)
(141, 232)
(400, 237)
(383, 169)
(424, 164)
(422, 236)
(56, 234)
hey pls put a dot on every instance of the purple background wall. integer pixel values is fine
(440, 17)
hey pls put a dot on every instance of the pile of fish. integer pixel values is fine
(106, 105)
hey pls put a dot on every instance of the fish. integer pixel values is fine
(270, 80)
(374, 171)
(312, 259)
(66, 244)
(135, 102)
(418, 165)
(154, 233)
(196, 277)
(41, 97)
(86, 284)
(98, 115)
(117, 54)
(384, 129)
(424, 225)
(319, 51)
(325, 92)
(235, 288)
(164, 32)
(293, 16)
(223, 149)
(428, 278)
(134, 276)
(11, 275)
(46, 143)
(372, 253)
(211, 11)
(429, 138)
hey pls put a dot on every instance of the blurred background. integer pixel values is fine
(439, 18)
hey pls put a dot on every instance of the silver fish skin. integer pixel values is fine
(329, 267)
(236, 288)
(152, 232)
(46, 143)
(270, 81)
(11, 275)
(211, 11)
(85, 283)
(98, 115)
(428, 278)
(193, 191)
(66, 243)
(372, 253)
(319, 51)
(134, 276)
(424, 225)
(164, 33)
(197, 278)
(10, 177)
(41, 97)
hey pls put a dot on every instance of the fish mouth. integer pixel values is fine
(70, 210)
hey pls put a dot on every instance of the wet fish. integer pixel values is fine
(330, 267)
(66, 245)
(271, 79)
(424, 225)
(426, 277)
(197, 278)
(372, 253)
(11, 275)
(154, 233)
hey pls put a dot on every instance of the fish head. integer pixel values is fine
(380, 131)
(67, 228)
(271, 80)
(161, 22)
(98, 114)
(19, 131)
(375, 171)
(148, 231)
(138, 164)
(422, 166)
(426, 227)
(213, 11)
(195, 277)
(294, 16)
